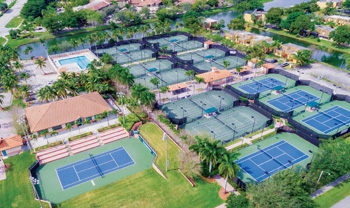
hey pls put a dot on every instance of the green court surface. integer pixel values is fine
(133, 56)
(166, 78)
(289, 83)
(218, 63)
(51, 190)
(116, 49)
(167, 40)
(142, 69)
(194, 105)
(201, 55)
(325, 98)
(243, 120)
(292, 139)
(307, 114)
(177, 43)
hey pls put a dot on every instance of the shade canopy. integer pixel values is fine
(210, 110)
(152, 69)
(312, 104)
(278, 88)
(210, 56)
(122, 50)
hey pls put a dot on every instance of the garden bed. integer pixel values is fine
(108, 127)
(48, 146)
(80, 136)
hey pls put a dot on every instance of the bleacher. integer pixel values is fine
(84, 144)
(113, 135)
(52, 154)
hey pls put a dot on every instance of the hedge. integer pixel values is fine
(269, 135)
(232, 142)
(129, 121)
(48, 146)
(239, 147)
(80, 136)
(108, 127)
(167, 122)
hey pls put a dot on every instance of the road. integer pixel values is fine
(345, 203)
(7, 17)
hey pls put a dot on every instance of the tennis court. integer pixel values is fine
(274, 153)
(178, 43)
(229, 124)
(291, 101)
(263, 84)
(329, 120)
(166, 78)
(269, 160)
(93, 167)
(218, 63)
(128, 57)
(131, 155)
(202, 55)
(122, 48)
(167, 40)
(193, 107)
(141, 69)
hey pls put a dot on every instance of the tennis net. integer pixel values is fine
(273, 158)
(98, 169)
(224, 123)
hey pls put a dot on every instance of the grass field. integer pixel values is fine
(14, 22)
(148, 188)
(2, 40)
(334, 195)
(16, 190)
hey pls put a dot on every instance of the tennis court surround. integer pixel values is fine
(178, 43)
(272, 155)
(330, 118)
(141, 69)
(94, 167)
(129, 57)
(117, 49)
(50, 187)
(229, 124)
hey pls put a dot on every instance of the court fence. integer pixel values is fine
(243, 94)
(32, 173)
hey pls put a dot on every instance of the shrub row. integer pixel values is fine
(167, 122)
(80, 136)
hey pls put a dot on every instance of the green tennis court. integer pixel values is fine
(128, 57)
(193, 107)
(122, 48)
(142, 69)
(166, 78)
(167, 40)
(218, 63)
(50, 188)
(202, 55)
(228, 124)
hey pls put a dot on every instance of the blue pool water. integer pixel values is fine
(82, 61)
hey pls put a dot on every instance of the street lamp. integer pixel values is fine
(121, 95)
(34, 182)
(213, 133)
(220, 101)
(319, 178)
(21, 122)
(253, 123)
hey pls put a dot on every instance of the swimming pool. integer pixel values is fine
(82, 61)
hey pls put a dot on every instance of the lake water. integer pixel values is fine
(329, 56)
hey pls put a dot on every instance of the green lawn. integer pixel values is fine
(16, 190)
(14, 22)
(2, 40)
(148, 188)
(334, 195)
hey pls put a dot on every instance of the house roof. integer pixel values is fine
(269, 66)
(209, 42)
(142, 3)
(215, 75)
(177, 86)
(244, 68)
(11, 142)
(64, 111)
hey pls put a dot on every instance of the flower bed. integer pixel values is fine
(48, 146)
(108, 127)
(80, 136)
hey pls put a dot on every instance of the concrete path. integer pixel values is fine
(221, 206)
(2, 170)
(9, 15)
(329, 186)
(345, 203)
(221, 181)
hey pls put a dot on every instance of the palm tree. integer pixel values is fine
(228, 167)
(68, 127)
(78, 123)
(115, 112)
(189, 73)
(155, 81)
(74, 42)
(239, 69)
(198, 80)
(199, 145)
(105, 114)
(18, 65)
(24, 91)
(211, 152)
(226, 63)
(147, 98)
(28, 50)
(41, 63)
(9, 82)
(163, 90)
(24, 75)
(86, 122)
(137, 91)
(42, 41)
(81, 41)
(1, 100)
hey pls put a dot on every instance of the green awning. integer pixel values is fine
(173, 40)
(122, 50)
(278, 88)
(312, 104)
(152, 69)
(210, 56)
(210, 110)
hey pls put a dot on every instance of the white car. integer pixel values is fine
(50, 82)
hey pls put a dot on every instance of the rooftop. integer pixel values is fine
(324, 27)
(64, 111)
(215, 75)
(295, 46)
(11, 142)
(338, 17)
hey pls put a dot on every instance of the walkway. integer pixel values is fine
(329, 186)
(345, 203)
(2, 170)
(9, 15)
(221, 181)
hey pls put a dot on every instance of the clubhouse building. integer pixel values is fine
(55, 116)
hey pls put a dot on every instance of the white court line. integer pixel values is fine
(59, 180)
(113, 159)
(76, 172)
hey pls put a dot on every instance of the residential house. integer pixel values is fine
(95, 5)
(11, 146)
(56, 115)
(340, 20)
(324, 31)
(209, 22)
(151, 4)
(247, 38)
(259, 15)
(216, 77)
(288, 50)
(334, 3)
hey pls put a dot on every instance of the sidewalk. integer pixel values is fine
(329, 186)
(221, 182)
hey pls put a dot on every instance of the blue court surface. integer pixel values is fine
(262, 85)
(82, 61)
(86, 170)
(293, 100)
(329, 120)
(270, 160)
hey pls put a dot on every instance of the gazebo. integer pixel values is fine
(210, 111)
(312, 106)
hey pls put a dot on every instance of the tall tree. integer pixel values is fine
(41, 64)
(228, 167)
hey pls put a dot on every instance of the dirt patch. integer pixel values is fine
(222, 195)
(7, 166)
(209, 180)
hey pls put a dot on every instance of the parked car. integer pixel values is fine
(285, 64)
(50, 82)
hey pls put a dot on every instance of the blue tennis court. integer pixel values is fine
(270, 160)
(329, 120)
(293, 100)
(262, 85)
(93, 167)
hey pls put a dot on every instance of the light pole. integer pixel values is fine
(203, 104)
(221, 99)
(34, 182)
(234, 131)
(312, 155)
(21, 123)
(321, 96)
(308, 98)
(121, 95)
(213, 133)
(183, 112)
(319, 178)
(165, 137)
(262, 132)
(253, 123)
(290, 162)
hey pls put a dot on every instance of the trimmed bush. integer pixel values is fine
(239, 147)
(80, 136)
